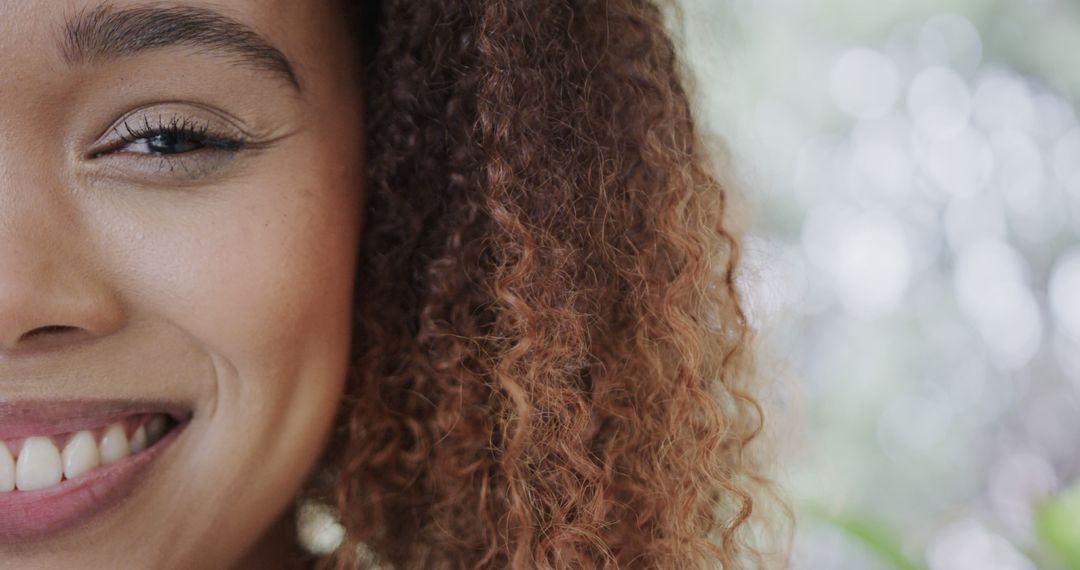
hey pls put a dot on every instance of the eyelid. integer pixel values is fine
(215, 123)
(111, 157)
(107, 158)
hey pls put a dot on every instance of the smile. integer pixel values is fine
(53, 477)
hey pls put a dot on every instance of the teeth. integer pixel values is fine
(39, 465)
(155, 428)
(138, 440)
(80, 454)
(7, 469)
(114, 444)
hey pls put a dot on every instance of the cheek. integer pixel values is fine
(258, 275)
(272, 277)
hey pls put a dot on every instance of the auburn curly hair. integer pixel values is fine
(550, 356)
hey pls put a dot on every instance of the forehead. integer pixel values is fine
(306, 37)
(294, 26)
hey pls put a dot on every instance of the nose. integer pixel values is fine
(53, 293)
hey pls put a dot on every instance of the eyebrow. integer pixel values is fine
(106, 32)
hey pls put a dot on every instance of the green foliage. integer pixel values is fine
(1057, 527)
(1057, 524)
(878, 539)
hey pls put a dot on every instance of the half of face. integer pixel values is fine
(180, 188)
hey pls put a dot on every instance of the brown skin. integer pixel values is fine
(227, 291)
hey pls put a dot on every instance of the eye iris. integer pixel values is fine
(171, 143)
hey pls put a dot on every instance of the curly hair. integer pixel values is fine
(550, 365)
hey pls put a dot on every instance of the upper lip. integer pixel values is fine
(25, 418)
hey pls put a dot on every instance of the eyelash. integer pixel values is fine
(177, 129)
(181, 128)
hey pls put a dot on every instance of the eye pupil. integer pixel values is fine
(171, 143)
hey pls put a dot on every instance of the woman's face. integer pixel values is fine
(179, 217)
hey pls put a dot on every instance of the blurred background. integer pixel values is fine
(911, 176)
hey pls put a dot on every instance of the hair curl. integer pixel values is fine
(550, 358)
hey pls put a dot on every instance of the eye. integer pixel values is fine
(174, 136)
(165, 143)
(171, 143)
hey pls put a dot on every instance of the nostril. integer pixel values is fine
(47, 337)
(47, 330)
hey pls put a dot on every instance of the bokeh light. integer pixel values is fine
(864, 83)
(1065, 293)
(913, 175)
(968, 545)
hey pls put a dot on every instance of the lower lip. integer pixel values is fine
(27, 516)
